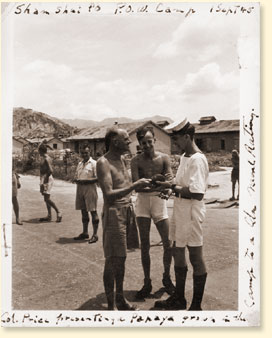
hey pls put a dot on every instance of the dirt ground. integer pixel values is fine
(51, 271)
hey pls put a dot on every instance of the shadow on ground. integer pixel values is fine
(100, 302)
(70, 240)
(34, 220)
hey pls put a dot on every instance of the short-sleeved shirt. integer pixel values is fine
(86, 171)
(193, 172)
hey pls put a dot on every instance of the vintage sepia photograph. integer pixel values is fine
(131, 157)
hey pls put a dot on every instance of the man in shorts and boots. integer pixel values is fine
(149, 164)
(46, 184)
(86, 194)
(116, 186)
(188, 215)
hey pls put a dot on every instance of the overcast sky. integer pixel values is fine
(93, 67)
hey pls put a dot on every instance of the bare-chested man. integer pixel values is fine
(149, 205)
(46, 183)
(116, 186)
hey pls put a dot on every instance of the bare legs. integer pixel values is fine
(114, 273)
(16, 209)
(144, 230)
(50, 204)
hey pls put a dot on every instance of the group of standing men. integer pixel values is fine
(152, 179)
(154, 182)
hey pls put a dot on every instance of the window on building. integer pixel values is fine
(55, 146)
(223, 146)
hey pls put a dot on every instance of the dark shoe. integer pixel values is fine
(195, 307)
(123, 305)
(145, 290)
(59, 217)
(232, 199)
(94, 239)
(45, 219)
(168, 285)
(81, 237)
(171, 303)
(18, 221)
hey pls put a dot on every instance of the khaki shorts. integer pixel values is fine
(47, 187)
(86, 197)
(150, 205)
(115, 221)
(186, 222)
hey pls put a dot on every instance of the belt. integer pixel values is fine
(84, 182)
(179, 195)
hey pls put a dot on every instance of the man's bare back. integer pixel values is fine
(45, 165)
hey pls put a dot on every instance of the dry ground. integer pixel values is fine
(51, 271)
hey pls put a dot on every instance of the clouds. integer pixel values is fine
(208, 80)
(97, 67)
(201, 38)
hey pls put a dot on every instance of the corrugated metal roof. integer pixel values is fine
(217, 127)
(100, 132)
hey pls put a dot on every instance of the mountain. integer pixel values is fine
(81, 123)
(28, 123)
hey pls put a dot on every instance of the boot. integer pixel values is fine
(168, 285)
(145, 290)
(199, 285)
(123, 305)
(176, 301)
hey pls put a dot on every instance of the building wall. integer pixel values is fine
(214, 142)
(163, 141)
(218, 141)
(57, 142)
(96, 146)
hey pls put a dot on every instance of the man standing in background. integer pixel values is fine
(86, 194)
(46, 184)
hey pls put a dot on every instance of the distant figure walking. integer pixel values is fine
(235, 173)
(15, 186)
(86, 195)
(46, 184)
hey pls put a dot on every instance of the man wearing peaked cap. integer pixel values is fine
(177, 126)
(188, 215)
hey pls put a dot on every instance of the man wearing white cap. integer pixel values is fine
(188, 215)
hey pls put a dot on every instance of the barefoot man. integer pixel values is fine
(149, 205)
(46, 183)
(116, 186)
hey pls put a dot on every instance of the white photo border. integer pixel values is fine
(248, 313)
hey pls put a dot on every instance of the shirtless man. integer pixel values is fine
(46, 183)
(116, 186)
(149, 205)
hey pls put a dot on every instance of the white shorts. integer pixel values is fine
(47, 186)
(150, 205)
(186, 222)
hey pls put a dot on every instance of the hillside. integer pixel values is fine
(81, 123)
(29, 123)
